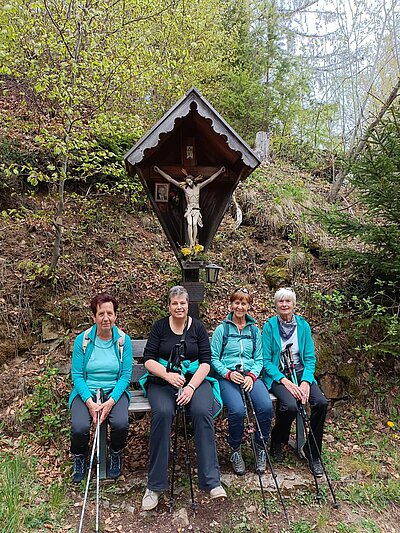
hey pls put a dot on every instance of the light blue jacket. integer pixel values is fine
(272, 348)
(238, 350)
(80, 360)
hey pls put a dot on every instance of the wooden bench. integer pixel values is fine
(140, 404)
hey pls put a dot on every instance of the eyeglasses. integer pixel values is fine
(241, 289)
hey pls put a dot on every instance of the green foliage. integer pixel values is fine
(377, 495)
(372, 322)
(375, 175)
(44, 410)
(24, 504)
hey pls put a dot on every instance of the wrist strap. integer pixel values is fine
(191, 386)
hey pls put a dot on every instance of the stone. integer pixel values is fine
(180, 518)
(332, 386)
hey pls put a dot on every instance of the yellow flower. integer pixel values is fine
(391, 424)
(198, 248)
(186, 251)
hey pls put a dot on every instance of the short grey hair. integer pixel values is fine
(177, 291)
(285, 293)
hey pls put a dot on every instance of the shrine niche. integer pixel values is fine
(190, 163)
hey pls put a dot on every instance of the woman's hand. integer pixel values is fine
(186, 396)
(105, 409)
(295, 390)
(248, 383)
(175, 379)
(305, 389)
(94, 408)
(237, 377)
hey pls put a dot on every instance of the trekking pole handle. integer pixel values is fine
(98, 395)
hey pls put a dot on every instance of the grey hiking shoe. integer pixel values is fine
(150, 500)
(237, 462)
(261, 459)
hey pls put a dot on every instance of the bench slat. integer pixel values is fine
(138, 403)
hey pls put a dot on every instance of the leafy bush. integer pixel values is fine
(45, 410)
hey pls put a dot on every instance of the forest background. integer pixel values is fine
(80, 83)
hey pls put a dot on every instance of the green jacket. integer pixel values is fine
(239, 348)
(188, 367)
(272, 348)
(80, 360)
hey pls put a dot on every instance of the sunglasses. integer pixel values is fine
(241, 289)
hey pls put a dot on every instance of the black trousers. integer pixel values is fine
(81, 422)
(162, 399)
(286, 411)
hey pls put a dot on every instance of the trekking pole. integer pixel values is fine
(99, 398)
(96, 439)
(175, 361)
(188, 461)
(273, 473)
(288, 358)
(250, 431)
(174, 457)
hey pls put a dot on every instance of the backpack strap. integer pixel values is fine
(121, 342)
(224, 337)
(253, 336)
(86, 339)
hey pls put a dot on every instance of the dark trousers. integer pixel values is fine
(162, 399)
(81, 422)
(286, 411)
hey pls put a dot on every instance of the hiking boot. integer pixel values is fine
(314, 464)
(79, 468)
(150, 500)
(115, 465)
(237, 462)
(261, 459)
(217, 492)
(277, 451)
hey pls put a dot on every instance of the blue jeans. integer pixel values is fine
(232, 398)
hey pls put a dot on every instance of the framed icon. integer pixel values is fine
(162, 192)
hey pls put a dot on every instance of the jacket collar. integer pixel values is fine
(249, 319)
(93, 330)
(275, 328)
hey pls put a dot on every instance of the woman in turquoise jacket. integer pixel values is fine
(237, 360)
(287, 329)
(101, 359)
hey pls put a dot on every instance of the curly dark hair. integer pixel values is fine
(103, 298)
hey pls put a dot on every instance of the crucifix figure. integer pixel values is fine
(192, 194)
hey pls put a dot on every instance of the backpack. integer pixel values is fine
(236, 335)
(121, 341)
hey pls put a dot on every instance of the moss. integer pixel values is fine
(276, 276)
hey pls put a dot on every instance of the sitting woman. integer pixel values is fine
(237, 359)
(101, 359)
(279, 332)
(196, 395)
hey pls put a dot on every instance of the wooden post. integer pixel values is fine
(195, 288)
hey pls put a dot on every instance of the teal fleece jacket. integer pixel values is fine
(80, 360)
(238, 350)
(272, 348)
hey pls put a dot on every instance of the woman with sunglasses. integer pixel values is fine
(237, 359)
(179, 331)
(287, 330)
